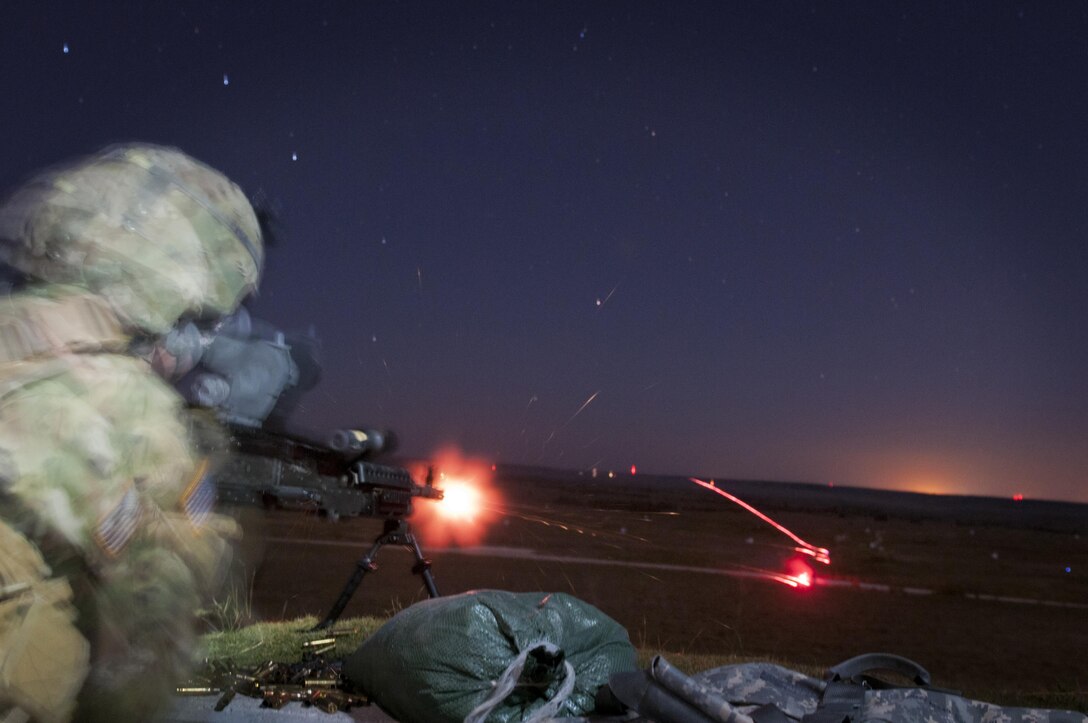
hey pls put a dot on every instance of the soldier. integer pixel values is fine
(107, 539)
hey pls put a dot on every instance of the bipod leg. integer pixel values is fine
(423, 565)
(362, 567)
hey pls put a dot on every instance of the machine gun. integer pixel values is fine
(250, 374)
(283, 471)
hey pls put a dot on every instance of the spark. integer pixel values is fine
(820, 554)
(507, 510)
(419, 278)
(294, 156)
(788, 580)
(584, 405)
(226, 79)
(799, 575)
(66, 48)
(602, 302)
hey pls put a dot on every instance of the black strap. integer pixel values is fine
(840, 702)
(848, 683)
(856, 666)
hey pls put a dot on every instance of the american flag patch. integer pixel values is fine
(198, 500)
(116, 528)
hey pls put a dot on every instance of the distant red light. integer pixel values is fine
(1018, 497)
(633, 469)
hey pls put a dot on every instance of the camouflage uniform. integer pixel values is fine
(107, 540)
(758, 692)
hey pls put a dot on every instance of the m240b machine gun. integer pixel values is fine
(281, 470)
(284, 471)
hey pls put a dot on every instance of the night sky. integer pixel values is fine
(835, 242)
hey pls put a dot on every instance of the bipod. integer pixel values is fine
(395, 532)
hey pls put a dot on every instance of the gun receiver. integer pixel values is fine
(279, 470)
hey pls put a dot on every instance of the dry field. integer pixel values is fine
(660, 558)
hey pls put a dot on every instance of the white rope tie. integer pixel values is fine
(506, 683)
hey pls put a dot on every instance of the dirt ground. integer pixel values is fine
(982, 599)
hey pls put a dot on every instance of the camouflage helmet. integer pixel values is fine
(157, 233)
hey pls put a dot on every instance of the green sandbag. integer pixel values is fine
(443, 659)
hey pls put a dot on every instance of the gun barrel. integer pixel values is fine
(431, 493)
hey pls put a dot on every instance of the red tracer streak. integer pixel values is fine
(820, 554)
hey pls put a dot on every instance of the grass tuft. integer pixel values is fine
(283, 641)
